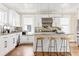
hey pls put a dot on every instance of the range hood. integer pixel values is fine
(47, 22)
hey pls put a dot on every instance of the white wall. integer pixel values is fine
(27, 20)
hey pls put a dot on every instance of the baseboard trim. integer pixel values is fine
(26, 44)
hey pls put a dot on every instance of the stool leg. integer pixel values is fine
(61, 46)
(54, 46)
(55, 42)
(36, 46)
(42, 46)
(65, 47)
(70, 50)
(50, 47)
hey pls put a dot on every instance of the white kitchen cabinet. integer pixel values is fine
(25, 39)
(3, 17)
(15, 40)
(17, 20)
(14, 18)
(30, 38)
(10, 15)
(8, 43)
(11, 41)
(2, 46)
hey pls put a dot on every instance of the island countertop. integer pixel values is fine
(51, 33)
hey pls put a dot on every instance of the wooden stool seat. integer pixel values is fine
(40, 38)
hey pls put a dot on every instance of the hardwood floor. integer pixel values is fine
(27, 50)
(74, 49)
(22, 50)
(52, 54)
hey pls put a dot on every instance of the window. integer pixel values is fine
(3, 17)
(64, 22)
(27, 24)
(29, 28)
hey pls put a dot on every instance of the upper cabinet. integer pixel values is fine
(9, 16)
(17, 20)
(3, 17)
(14, 18)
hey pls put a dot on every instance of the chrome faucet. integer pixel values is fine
(5, 29)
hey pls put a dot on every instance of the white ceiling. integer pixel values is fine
(44, 7)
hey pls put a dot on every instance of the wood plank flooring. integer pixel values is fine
(22, 50)
(27, 50)
(74, 49)
(52, 54)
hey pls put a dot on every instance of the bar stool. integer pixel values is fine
(54, 39)
(63, 43)
(40, 38)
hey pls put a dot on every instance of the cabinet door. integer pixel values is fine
(14, 18)
(8, 43)
(11, 21)
(30, 38)
(11, 46)
(15, 39)
(17, 20)
(12, 42)
(26, 39)
(2, 47)
(23, 39)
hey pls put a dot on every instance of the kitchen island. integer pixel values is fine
(65, 46)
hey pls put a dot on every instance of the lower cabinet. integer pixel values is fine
(30, 38)
(8, 43)
(2, 46)
(26, 39)
(23, 39)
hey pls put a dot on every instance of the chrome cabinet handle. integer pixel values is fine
(13, 40)
(5, 44)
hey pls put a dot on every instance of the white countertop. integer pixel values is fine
(50, 33)
(1, 34)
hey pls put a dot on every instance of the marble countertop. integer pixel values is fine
(50, 33)
(1, 34)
